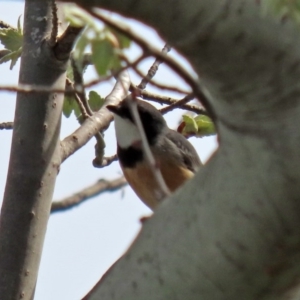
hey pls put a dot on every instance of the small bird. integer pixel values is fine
(175, 156)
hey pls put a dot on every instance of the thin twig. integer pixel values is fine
(29, 88)
(86, 110)
(168, 100)
(153, 69)
(177, 104)
(163, 191)
(78, 82)
(94, 190)
(6, 125)
(85, 115)
(155, 83)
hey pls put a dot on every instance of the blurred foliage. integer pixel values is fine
(105, 45)
(199, 126)
(283, 8)
(11, 39)
(69, 106)
(95, 102)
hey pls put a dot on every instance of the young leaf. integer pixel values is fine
(11, 39)
(205, 126)
(78, 17)
(68, 106)
(14, 58)
(4, 52)
(190, 125)
(199, 126)
(95, 101)
(102, 55)
(11, 56)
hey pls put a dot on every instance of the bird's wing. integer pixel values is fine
(189, 156)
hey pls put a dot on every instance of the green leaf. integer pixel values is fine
(77, 17)
(77, 111)
(68, 106)
(191, 126)
(205, 126)
(95, 101)
(15, 57)
(12, 56)
(199, 126)
(11, 39)
(6, 57)
(102, 55)
(4, 52)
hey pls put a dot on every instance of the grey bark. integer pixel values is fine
(34, 160)
(233, 232)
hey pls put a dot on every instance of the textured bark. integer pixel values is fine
(34, 160)
(233, 232)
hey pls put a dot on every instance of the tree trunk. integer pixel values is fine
(34, 160)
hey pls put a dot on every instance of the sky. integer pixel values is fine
(83, 242)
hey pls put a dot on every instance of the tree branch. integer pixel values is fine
(177, 104)
(170, 101)
(153, 69)
(94, 190)
(106, 161)
(65, 42)
(163, 86)
(6, 125)
(98, 122)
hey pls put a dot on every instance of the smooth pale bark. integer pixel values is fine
(35, 158)
(233, 232)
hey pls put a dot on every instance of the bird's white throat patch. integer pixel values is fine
(127, 133)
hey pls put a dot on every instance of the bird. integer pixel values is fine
(175, 156)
